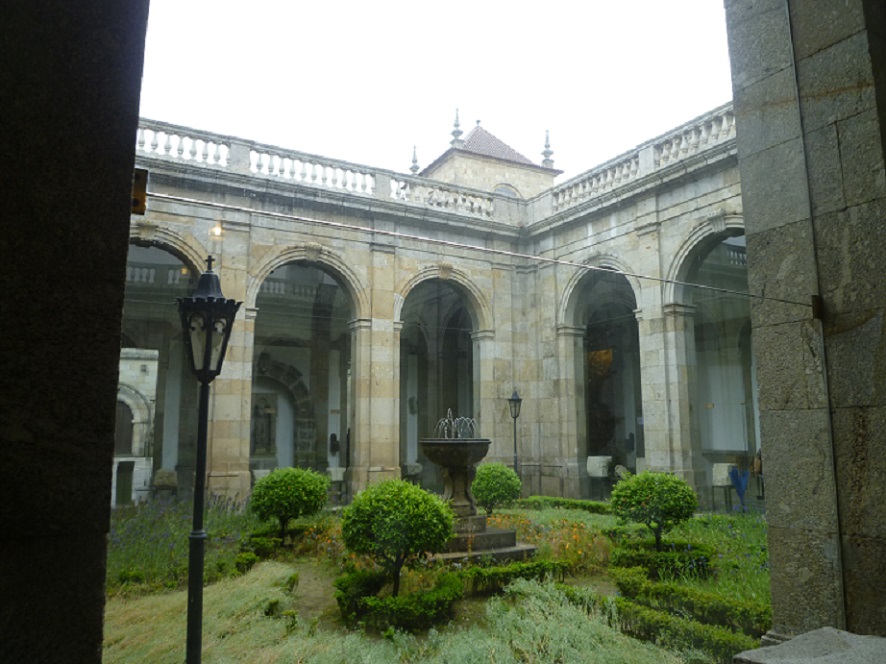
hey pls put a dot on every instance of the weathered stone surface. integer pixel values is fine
(821, 646)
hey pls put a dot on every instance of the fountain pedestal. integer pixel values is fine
(458, 458)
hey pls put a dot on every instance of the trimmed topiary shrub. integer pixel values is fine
(495, 484)
(396, 522)
(288, 493)
(658, 500)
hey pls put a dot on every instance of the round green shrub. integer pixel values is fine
(288, 493)
(658, 500)
(396, 522)
(494, 485)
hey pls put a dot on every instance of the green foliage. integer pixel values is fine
(244, 561)
(487, 580)
(263, 547)
(741, 557)
(288, 493)
(658, 500)
(148, 544)
(751, 618)
(676, 633)
(678, 559)
(415, 611)
(352, 588)
(546, 502)
(494, 485)
(396, 522)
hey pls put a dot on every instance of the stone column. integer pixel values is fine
(810, 92)
(572, 412)
(375, 429)
(672, 444)
(231, 393)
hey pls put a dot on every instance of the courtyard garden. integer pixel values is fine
(670, 586)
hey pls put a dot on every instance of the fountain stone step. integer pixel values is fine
(506, 554)
(491, 538)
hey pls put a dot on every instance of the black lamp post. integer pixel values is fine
(514, 404)
(207, 318)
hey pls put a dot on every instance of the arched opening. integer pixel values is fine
(613, 406)
(436, 371)
(301, 366)
(152, 365)
(123, 430)
(723, 392)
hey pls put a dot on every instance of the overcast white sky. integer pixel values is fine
(366, 81)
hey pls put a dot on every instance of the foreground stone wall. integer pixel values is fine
(63, 249)
(809, 84)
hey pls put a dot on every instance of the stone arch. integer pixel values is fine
(185, 248)
(290, 379)
(479, 309)
(317, 256)
(571, 292)
(703, 232)
(142, 417)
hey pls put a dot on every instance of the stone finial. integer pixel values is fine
(456, 141)
(414, 168)
(548, 162)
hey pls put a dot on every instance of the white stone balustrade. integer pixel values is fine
(693, 138)
(426, 192)
(171, 142)
(160, 139)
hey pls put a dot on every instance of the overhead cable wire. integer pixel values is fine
(462, 245)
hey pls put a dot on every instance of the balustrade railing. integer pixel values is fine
(695, 137)
(155, 275)
(181, 144)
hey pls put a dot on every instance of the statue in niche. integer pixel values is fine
(264, 425)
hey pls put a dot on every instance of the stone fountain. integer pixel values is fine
(457, 451)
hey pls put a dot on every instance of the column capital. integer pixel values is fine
(570, 331)
(676, 309)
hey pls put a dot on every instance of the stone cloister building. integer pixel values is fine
(374, 302)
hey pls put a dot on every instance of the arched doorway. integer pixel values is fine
(301, 369)
(152, 368)
(436, 371)
(613, 407)
(720, 358)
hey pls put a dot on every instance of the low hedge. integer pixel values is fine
(673, 632)
(352, 588)
(415, 611)
(679, 558)
(544, 502)
(488, 580)
(356, 594)
(751, 618)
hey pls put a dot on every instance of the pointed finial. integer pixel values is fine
(456, 141)
(209, 260)
(548, 162)
(414, 168)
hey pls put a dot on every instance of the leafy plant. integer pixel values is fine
(658, 500)
(494, 485)
(396, 522)
(288, 493)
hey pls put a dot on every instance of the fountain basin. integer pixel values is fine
(458, 458)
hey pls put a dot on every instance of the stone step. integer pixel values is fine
(491, 538)
(504, 554)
